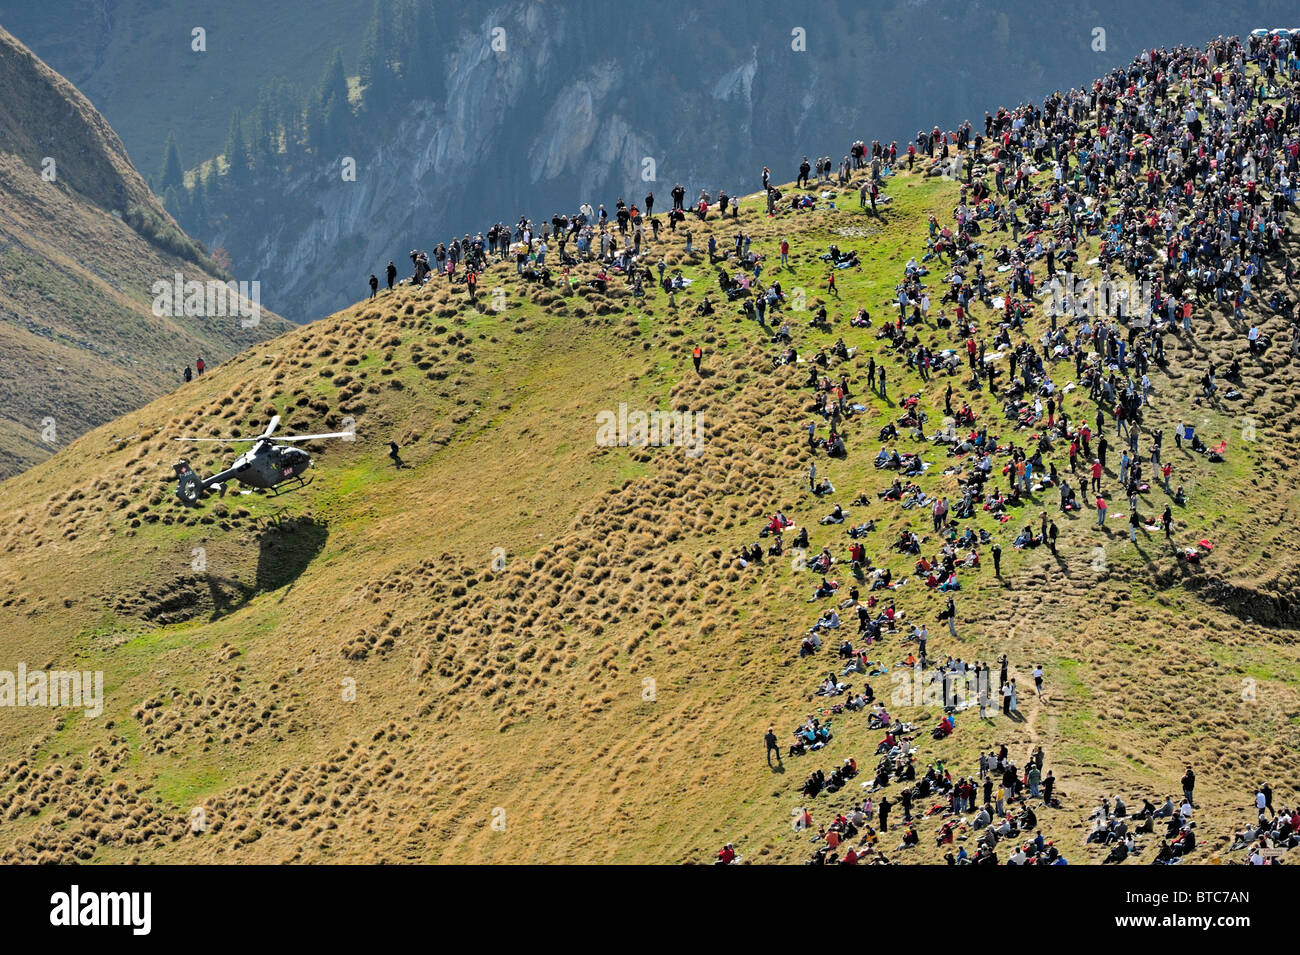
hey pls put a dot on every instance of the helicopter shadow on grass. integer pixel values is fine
(286, 546)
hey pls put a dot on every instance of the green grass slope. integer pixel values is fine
(525, 647)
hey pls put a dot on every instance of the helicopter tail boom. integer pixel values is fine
(190, 486)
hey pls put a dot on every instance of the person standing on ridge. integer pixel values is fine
(696, 355)
(769, 740)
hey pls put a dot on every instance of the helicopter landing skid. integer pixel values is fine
(293, 484)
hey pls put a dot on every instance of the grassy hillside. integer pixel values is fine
(524, 647)
(82, 241)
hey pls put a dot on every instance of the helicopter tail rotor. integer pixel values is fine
(188, 486)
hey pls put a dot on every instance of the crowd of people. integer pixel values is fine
(1272, 831)
(619, 245)
(996, 805)
(1181, 169)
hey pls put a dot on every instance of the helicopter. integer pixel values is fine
(265, 465)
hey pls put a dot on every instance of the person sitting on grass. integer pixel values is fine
(822, 562)
(829, 620)
(826, 588)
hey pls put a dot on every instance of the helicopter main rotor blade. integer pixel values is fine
(218, 440)
(313, 437)
(275, 423)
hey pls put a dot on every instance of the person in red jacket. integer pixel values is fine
(857, 553)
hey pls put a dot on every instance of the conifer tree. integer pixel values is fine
(236, 151)
(172, 174)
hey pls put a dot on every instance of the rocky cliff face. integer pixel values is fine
(523, 129)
